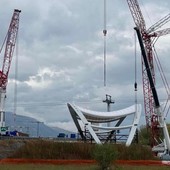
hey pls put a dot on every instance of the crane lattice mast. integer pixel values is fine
(9, 49)
(148, 35)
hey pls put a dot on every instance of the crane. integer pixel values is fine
(157, 106)
(9, 42)
(153, 113)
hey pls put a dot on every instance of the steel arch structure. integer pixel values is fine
(93, 121)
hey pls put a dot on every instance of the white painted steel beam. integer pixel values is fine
(88, 117)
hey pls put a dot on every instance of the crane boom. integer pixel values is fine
(159, 24)
(154, 92)
(9, 49)
(160, 33)
(148, 98)
(137, 14)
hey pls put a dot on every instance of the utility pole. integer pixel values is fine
(38, 127)
(108, 101)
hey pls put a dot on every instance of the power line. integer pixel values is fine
(64, 103)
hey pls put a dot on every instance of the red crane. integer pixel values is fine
(8, 53)
(148, 36)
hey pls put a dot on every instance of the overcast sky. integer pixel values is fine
(60, 56)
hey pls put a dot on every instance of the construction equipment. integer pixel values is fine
(153, 113)
(158, 110)
(10, 40)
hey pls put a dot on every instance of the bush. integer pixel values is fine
(104, 155)
(46, 149)
(42, 149)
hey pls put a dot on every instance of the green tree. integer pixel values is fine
(105, 155)
(144, 135)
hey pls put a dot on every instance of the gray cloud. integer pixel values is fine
(60, 57)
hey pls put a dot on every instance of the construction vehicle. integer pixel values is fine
(149, 37)
(158, 110)
(155, 118)
(10, 40)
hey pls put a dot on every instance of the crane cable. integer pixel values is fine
(3, 43)
(135, 84)
(165, 82)
(104, 50)
(16, 78)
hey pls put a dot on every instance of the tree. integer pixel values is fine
(105, 155)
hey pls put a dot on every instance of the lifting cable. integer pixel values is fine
(160, 69)
(135, 84)
(104, 50)
(165, 82)
(3, 43)
(16, 78)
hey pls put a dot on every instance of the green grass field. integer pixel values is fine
(76, 167)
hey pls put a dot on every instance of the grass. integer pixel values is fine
(143, 168)
(46, 167)
(76, 167)
(41, 149)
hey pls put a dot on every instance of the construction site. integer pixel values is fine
(94, 125)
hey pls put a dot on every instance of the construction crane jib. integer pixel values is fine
(10, 42)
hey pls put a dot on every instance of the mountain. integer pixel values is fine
(31, 126)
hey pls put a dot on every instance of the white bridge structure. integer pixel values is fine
(94, 122)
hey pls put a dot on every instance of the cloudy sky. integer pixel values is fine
(60, 56)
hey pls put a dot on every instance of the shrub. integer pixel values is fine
(46, 149)
(42, 149)
(104, 155)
